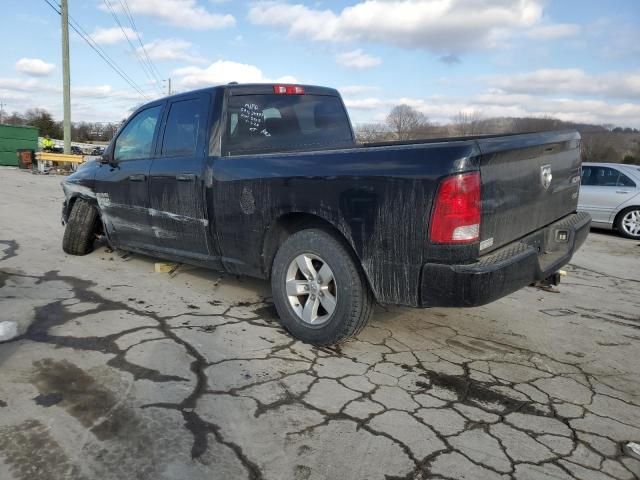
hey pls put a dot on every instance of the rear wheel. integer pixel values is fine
(628, 223)
(320, 293)
(81, 228)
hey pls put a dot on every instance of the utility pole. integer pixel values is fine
(168, 86)
(66, 80)
(1, 110)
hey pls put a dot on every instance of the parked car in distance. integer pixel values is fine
(610, 193)
(97, 151)
(76, 150)
(268, 181)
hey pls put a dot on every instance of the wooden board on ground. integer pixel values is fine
(160, 267)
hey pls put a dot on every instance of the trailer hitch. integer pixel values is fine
(551, 281)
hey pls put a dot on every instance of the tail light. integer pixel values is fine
(288, 89)
(456, 216)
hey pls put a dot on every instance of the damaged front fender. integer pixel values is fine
(79, 184)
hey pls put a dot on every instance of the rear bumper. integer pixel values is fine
(532, 258)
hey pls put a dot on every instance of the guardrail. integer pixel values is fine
(59, 157)
(48, 159)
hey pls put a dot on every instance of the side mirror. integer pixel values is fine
(107, 159)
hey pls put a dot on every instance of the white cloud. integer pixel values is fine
(17, 84)
(34, 67)
(568, 94)
(98, 91)
(110, 36)
(170, 49)
(22, 85)
(357, 59)
(366, 103)
(614, 38)
(12, 95)
(354, 90)
(555, 31)
(180, 13)
(103, 92)
(88, 101)
(222, 72)
(500, 104)
(440, 25)
(571, 81)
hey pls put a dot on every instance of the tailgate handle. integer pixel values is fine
(138, 178)
(185, 177)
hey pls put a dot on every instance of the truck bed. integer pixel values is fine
(380, 196)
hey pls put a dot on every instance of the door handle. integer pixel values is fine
(138, 177)
(186, 177)
(622, 191)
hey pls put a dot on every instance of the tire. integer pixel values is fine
(82, 225)
(348, 292)
(628, 223)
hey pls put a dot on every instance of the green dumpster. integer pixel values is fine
(14, 138)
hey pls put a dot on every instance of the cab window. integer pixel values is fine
(136, 139)
(281, 123)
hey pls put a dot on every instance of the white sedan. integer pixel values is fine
(610, 192)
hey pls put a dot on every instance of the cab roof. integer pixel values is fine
(260, 89)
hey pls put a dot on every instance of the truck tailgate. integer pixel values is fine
(528, 181)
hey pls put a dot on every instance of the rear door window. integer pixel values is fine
(624, 181)
(182, 128)
(280, 123)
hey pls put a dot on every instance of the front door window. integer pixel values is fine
(136, 139)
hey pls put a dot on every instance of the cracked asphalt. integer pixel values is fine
(120, 372)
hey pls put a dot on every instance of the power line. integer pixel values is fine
(112, 63)
(145, 67)
(91, 42)
(129, 15)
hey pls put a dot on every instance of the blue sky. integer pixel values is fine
(576, 60)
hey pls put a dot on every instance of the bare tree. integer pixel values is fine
(598, 147)
(14, 119)
(407, 123)
(536, 124)
(467, 123)
(372, 132)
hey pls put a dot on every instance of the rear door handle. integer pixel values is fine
(622, 191)
(138, 177)
(186, 177)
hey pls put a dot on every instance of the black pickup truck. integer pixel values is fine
(268, 181)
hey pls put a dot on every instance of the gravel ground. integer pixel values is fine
(120, 372)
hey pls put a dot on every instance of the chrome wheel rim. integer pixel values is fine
(311, 289)
(631, 223)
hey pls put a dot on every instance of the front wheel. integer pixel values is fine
(319, 292)
(81, 228)
(628, 223)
